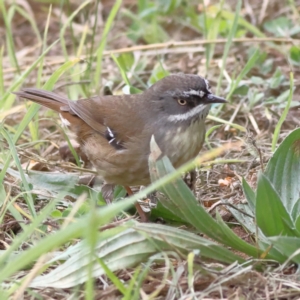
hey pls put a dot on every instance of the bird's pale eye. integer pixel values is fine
(181, 102)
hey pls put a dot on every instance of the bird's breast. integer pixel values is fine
(184, 142)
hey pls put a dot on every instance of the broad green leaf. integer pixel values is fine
(183, 203)
(278, 26)
(295, 55)
(296, 210)
(50, 242)
(49, 184)
(114, 247)
(276, 79)
(271, 215)
(160, 211)
(242, 215)
(265, 243)
(241, 90)
(249, 193)
(281, 26)
(283, 170)
(297, 223)
(288, 246)
(126, 61)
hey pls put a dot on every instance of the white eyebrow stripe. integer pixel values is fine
(207, 84)
(194, 92)
(201, 108)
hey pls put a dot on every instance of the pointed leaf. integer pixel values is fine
(183, 203)
(271, 216)
(288, 246)
(283, 170)
(296, 210)
(250, 194)
(124, 247)
(242, 215)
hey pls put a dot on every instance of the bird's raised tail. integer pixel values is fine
(45, 98)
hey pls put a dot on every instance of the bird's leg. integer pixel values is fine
(107, 191)
(190, 179)
(140, 211)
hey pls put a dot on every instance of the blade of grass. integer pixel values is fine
(211, 32)
(182, 201)
(41, 65)
(34, 126)
(67, 23)
(249, 65)
(50, 242)
(101, 47)
(31, 20)
(91, 238)
(284, 113)
(131, 292)
(35, 107)
(1, 72)
(7, 18)
(234, 125)
(28, 197)
(113, 278)
(229, 42)
(104, 215)
(17, 242)
(122, 71)
(242, 22)
(23, 76)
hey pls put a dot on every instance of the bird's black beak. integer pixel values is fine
(211, 98)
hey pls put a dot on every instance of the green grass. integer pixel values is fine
(66, 52)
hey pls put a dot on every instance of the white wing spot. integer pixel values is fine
(64, 121)
(110, 133)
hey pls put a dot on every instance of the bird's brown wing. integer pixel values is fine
(123, 115)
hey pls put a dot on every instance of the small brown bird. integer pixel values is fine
(115, 131)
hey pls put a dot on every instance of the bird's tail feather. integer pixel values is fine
(45, 98)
